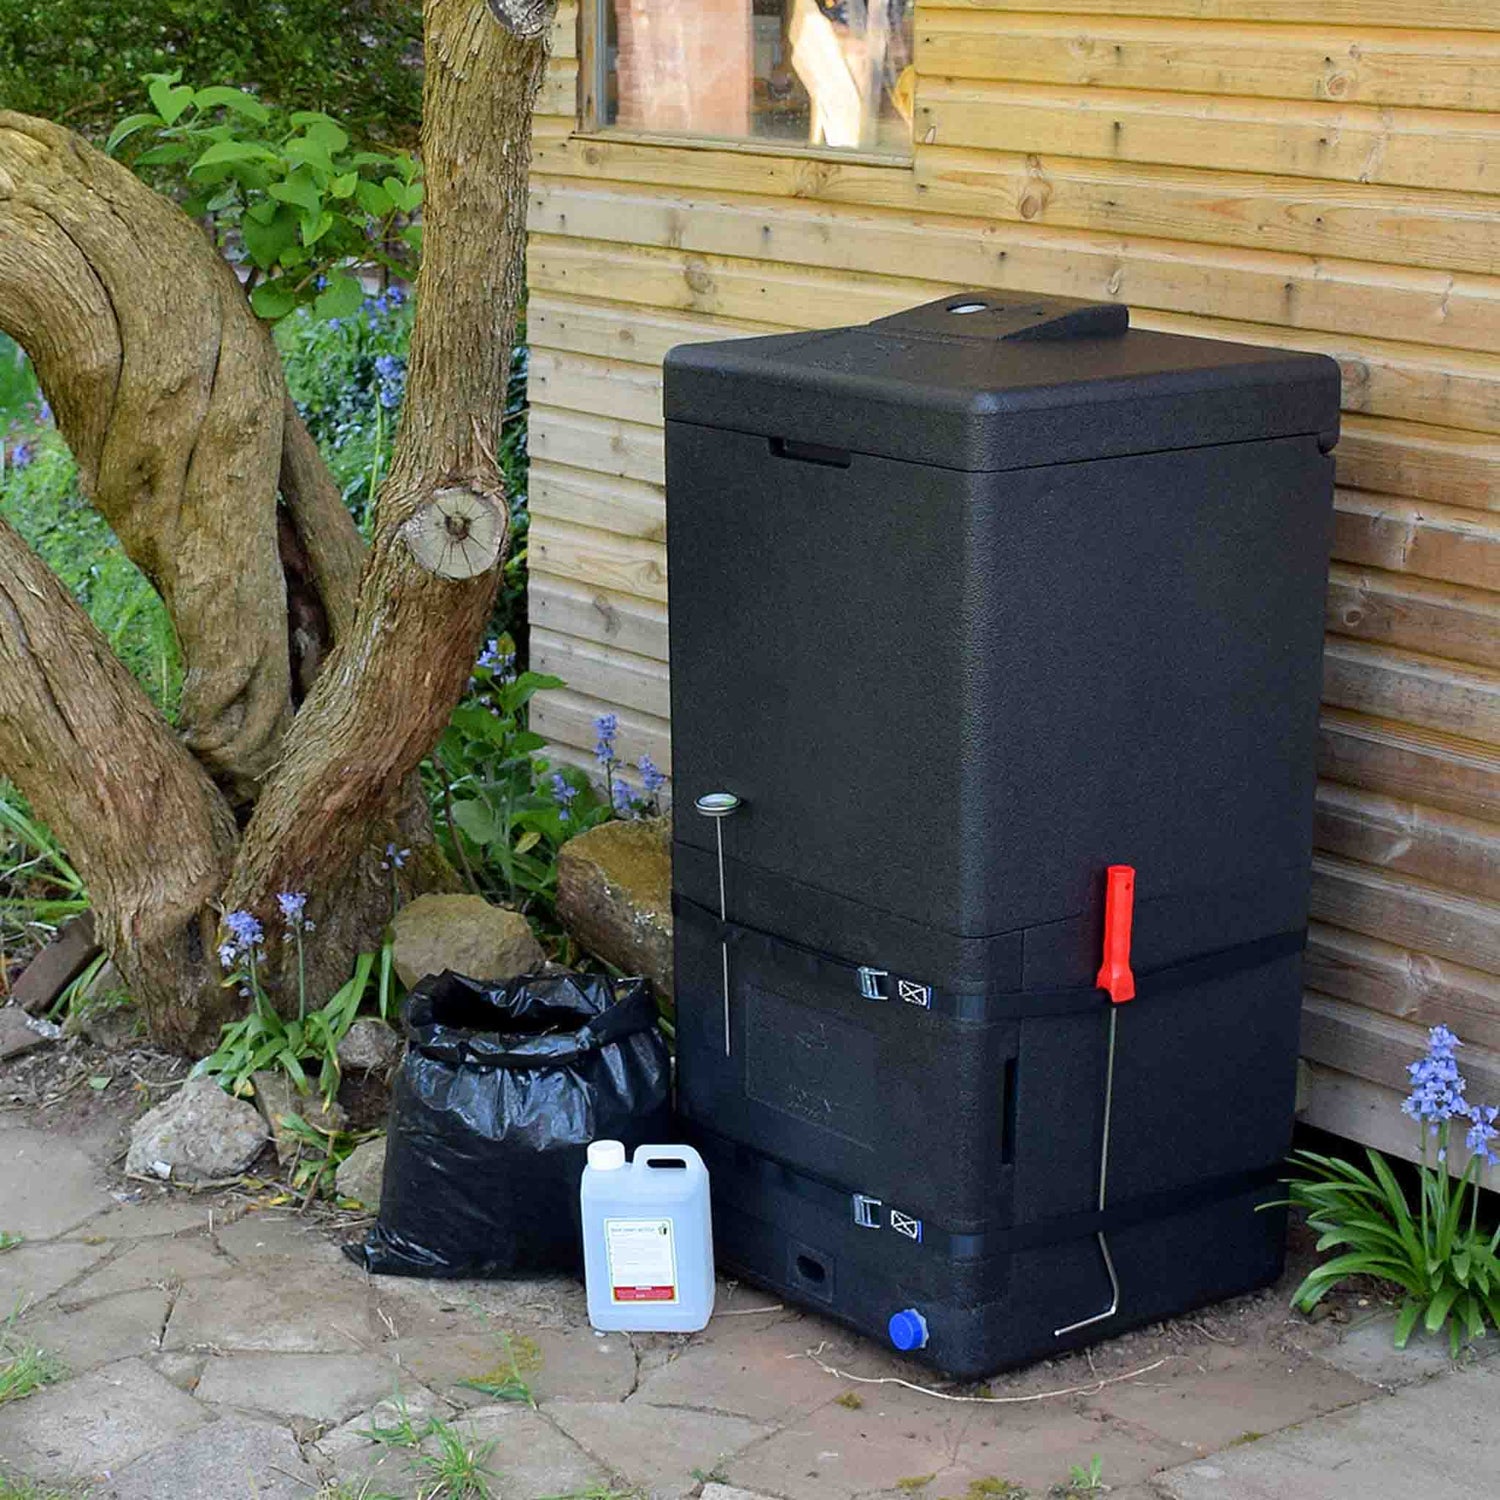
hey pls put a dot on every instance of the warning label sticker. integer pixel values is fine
(642, 1260)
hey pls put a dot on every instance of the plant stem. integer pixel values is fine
(301, 974)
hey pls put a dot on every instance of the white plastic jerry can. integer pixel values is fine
(648, 1239)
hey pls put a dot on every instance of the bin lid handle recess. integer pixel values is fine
(1005, 317)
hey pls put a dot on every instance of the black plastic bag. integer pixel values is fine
(501, 1091)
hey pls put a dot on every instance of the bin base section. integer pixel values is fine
(981, 1308)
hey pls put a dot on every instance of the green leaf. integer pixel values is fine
(128, 127)
(314, 225)
(372, 198)
(326, 132)
(405, 195)
(340, 298)
(300, 189)
(170, 101)
(312, 153)
(220, 97)
(528, 841)
(273, 299)
(266, 237)
(1437, 1309)
(1406, 1321)
(343, 187)
(476, 820)
(232, 151)
(164, 155)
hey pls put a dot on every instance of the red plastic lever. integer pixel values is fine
(1119, 909)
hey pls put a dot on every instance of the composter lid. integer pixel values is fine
(983, 381)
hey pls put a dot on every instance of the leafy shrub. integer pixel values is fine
(1438, 1253)
(285, 194)
(347, 376)
(39, 496)
(82, 61)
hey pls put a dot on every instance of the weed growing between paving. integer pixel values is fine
(24, 1368)
(16, 1487)
(9, 1241)
(506, 1381)
(1439, 1254)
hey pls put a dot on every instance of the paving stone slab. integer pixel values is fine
(153, 1263)
(1367, 1351)
(103, 1332)
(96, 1424)
(423, 1308)
(146, 1214)
(247, 1313)
(659, 1454)
(1198, 1412)
(749, 1367)
(270, 1242)
(530, 1456)
(557, 1364)
(232, 1459)
(183, 1370)
(47, 1186)
(730, 1492)
(1438, 1439)
(325, 1388)
(32, 1273)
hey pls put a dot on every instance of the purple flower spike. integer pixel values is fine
(651, 777)
(293, 906)
(606, 726)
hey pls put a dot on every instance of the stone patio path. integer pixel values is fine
(217, 1353)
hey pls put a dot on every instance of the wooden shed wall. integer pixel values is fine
(1229, 168)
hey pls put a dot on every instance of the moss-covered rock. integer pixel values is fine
(614, 894)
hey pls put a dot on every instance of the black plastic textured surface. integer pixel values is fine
(963, 619)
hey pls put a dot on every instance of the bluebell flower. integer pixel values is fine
(395, 295)
(293, 906)
(606, 726)
(21, 455)
(1437, 1087)
(44, 411)
(391, 371)
(244, 941)
(563, 793)
(622, 799)
(245, 929)
(1482, 1131)
(651, 778)
(395, 859)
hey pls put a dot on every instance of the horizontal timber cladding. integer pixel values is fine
(1324, 179)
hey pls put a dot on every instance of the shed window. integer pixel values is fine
(821, 73)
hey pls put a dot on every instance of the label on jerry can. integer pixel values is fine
(642, 1260)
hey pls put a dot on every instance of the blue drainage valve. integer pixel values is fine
(908, 1329)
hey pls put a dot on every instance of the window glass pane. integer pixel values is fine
(811, 72)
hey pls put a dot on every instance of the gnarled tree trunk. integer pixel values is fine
(170, 393)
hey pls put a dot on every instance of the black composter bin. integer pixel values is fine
(969, 606)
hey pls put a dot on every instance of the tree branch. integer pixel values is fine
(145, 827)
(386, 693)
(170, 394)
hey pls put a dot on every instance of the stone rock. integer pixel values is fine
(465, 934)
(276, 1099)
(19, 1033)
(614, 894)
(368, 1045)
(197, 1135)
(361, 1174)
